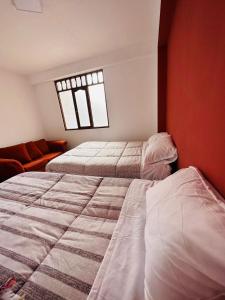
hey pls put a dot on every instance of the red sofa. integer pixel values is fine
(31, 156)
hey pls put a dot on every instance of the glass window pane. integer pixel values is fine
(83, 79)
(68, 109)
(98, 105)
(100, 76)
(78, 81)
(73, 82)
(82, 108)
(68, 84)
(64, 85)
(59, 86)
(89, 79)
(95, 78)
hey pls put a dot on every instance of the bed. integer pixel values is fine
(119, 159)
(55, 230)
(82, 237)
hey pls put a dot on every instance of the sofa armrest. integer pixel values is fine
(9, 168)
(57, 146)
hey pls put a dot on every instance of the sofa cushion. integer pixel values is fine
(57, 146)
(9, 168)
(42, 146)
(33, 150)
(18, 152)
(35, 165)
(50, 156)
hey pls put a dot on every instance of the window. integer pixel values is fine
(82, 101)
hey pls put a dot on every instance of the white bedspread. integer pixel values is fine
(121, 275)
(108, 159)
(111, 159)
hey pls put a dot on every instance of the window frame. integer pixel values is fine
(73, 90)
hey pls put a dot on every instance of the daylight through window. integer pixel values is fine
(82, 101)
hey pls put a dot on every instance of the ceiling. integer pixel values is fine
(72, 30)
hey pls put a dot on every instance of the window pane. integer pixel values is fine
(73, 82)
(59, 86)
(98, 105)
(68, 84)
(95, 78)
(100, 76)
(89, 79)
(64, 85)
(78, 81)
(67, 105)
(83, 80)
(82, 108)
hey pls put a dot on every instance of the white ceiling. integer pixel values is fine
(72, 30)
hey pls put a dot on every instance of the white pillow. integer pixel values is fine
(157, 136)
(155, 171)
(160, 149)
(185, 239)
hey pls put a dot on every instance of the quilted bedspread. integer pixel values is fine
(55, 230)
(113, 159)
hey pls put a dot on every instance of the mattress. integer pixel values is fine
(56, 231)
(113, 159)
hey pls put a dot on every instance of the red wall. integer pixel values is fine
(196, 86)
(162, 82)
(166, 17)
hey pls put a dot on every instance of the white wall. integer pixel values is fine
(131, 92)
(19, 118)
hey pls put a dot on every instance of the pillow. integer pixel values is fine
(185, 239)
(33, 150)
(42, 146)
(155, 171)
(18, 152)
(157, 136)
(160, 149)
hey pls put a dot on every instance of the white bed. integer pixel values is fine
(69, 237)
(118, 159)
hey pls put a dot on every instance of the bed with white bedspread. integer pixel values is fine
(55, 230)
(71, 237)
(119, 159)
